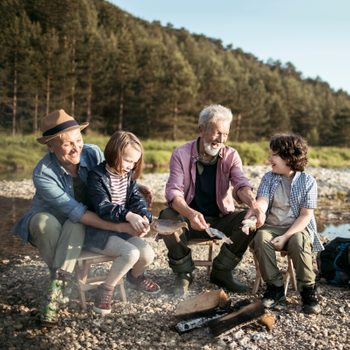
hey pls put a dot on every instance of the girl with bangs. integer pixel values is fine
(114, 196)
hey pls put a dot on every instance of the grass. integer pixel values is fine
(23, 152)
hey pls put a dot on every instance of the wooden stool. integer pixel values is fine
(289, 275)
(210, 244)
(85, 282)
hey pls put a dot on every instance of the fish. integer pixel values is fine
(213, 232)
(168, 227)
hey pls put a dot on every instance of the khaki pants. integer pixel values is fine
(59, 245)
(299, 248)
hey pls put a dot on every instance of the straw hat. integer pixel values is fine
(57, 123)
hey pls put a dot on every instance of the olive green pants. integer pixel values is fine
(59, 245)
(299, 248)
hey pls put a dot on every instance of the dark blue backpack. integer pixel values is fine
(334, 262)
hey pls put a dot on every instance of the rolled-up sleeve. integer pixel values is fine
(176, 182)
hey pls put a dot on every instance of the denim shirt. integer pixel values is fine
(54, 189)
(303, 195)
(229, 176)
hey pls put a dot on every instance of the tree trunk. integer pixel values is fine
(14, 101)
(148, 123)
(175, 113)
(73, 100)
(36, 108)
(48, 87)
(238, 126)
(121, 111)
(88, 102)
(73, 71)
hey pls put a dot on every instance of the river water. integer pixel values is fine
(12, 208)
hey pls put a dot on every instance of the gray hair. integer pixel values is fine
(213, 113)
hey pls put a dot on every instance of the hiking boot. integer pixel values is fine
(50, 309)
(273, 295)
(182, 284)
(142, 283)
(310, 300)
(103, 299)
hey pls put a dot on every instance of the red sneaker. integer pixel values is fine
(143, 284)
(103, 299)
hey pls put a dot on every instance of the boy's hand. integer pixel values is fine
(249, 225)
(279, 242)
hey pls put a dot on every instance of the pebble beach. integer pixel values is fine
(147, 322)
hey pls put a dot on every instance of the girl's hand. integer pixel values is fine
(146, 227)
(138, 223)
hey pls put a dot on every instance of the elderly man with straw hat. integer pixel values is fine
(55, 223)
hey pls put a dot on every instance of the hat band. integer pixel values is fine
(60, 127)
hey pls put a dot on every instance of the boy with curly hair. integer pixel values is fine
(288, 195)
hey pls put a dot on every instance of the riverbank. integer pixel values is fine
(146, 322)
(333, 184)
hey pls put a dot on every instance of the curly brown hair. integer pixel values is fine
(292, 148)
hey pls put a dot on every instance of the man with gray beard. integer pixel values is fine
(205, 178)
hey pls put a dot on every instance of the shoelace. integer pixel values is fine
(147, 283)
(105, 297)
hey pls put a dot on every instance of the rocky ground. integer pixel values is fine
(147, 322)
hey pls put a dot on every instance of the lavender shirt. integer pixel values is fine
(229, 176)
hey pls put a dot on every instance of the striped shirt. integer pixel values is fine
(303, 194)
(119, 187)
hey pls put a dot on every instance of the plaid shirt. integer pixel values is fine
(303, 194)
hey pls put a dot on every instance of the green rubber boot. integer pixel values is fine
(50, 308)
(183, 269)
(222, 271)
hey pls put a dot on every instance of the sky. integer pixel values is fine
(314, 35)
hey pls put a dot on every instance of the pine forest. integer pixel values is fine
(116, 71)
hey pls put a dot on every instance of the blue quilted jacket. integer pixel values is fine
(100, 201)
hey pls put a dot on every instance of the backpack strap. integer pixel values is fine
(339, 272)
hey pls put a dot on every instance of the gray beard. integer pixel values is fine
(211, 152)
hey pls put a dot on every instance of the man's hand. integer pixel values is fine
(197, 221)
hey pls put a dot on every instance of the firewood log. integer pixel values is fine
(243, 316)
(267, 320)
(202, 303)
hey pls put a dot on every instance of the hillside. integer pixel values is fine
(117, 71)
